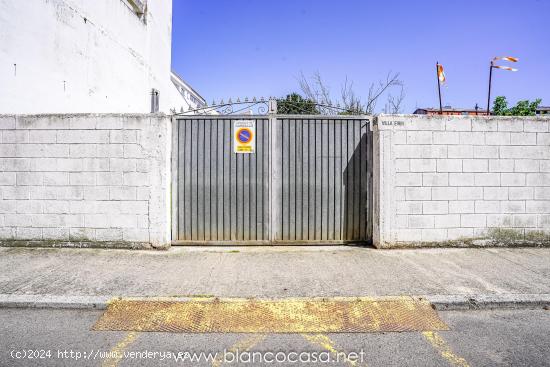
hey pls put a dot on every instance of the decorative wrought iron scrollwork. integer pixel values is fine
(244, 107)
(264, 106)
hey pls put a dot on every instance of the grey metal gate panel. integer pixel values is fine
(309, 180)
(322, 184)
(219, 195)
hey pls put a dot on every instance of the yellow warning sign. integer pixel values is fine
(244, 136)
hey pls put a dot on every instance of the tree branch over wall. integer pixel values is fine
(316, 89)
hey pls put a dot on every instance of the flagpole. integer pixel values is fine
(489, 94)
(438, 87)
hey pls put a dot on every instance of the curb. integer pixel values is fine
(488, 302)
(53, 244)
(439, 302)
(54, 302)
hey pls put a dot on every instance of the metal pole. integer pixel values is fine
(438, 87)
(489, 94)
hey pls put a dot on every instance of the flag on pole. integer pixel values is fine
(493, 66)
(506, 58)
(440, 80)
(505, 68)
(441, 73)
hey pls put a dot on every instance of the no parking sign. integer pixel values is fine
(244, 136)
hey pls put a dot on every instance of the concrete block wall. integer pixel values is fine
(461, 180)
(85, 179)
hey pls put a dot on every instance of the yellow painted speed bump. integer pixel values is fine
(308, 315)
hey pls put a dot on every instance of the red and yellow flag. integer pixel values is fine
(441, 73)
(505, 68)
(506, 58)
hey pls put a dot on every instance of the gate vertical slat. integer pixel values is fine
(364, 180)
(212, 181)
(226, 179)
(253, 198)
(288, 163)
(361, 179)
(240, 196)
(179, 155)
(260, 179)
(291, 179)
(258, 214)
(285, 178)
(318, 203)
(356, 178)
(247, 202)
(320, 186)
(232, 186)
(341, 179)
(321, 179)
(198, 176)
(251, 202)
(356, 190)
(219, 179)
(192, 181)
(207, 149)
(266, 180)
(201, 192)
(347, 184)
(300, 181)
(311, 179)
(330, 179)
(351, 164)
(180, 181)
(184, 207)
(337, 177)
(327, 181)
(303, 174)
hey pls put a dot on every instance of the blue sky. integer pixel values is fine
(239, 48)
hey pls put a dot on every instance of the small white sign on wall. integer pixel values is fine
(244, 136)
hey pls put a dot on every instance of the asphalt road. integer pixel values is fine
(476, 338)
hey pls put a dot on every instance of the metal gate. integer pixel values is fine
(309, 180)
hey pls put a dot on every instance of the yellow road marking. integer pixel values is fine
(118, 350)
(242, 345)
(326, 343)
(444, 349)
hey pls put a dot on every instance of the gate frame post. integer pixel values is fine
(274, 175)
(272, 106)
(174, 184)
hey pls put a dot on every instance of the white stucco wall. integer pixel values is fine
(83, 56)
(461, 179)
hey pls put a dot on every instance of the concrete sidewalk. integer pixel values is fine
(452, 278)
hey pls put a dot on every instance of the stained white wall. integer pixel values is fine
(83, 56)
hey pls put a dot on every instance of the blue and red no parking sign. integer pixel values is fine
(244, 136)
